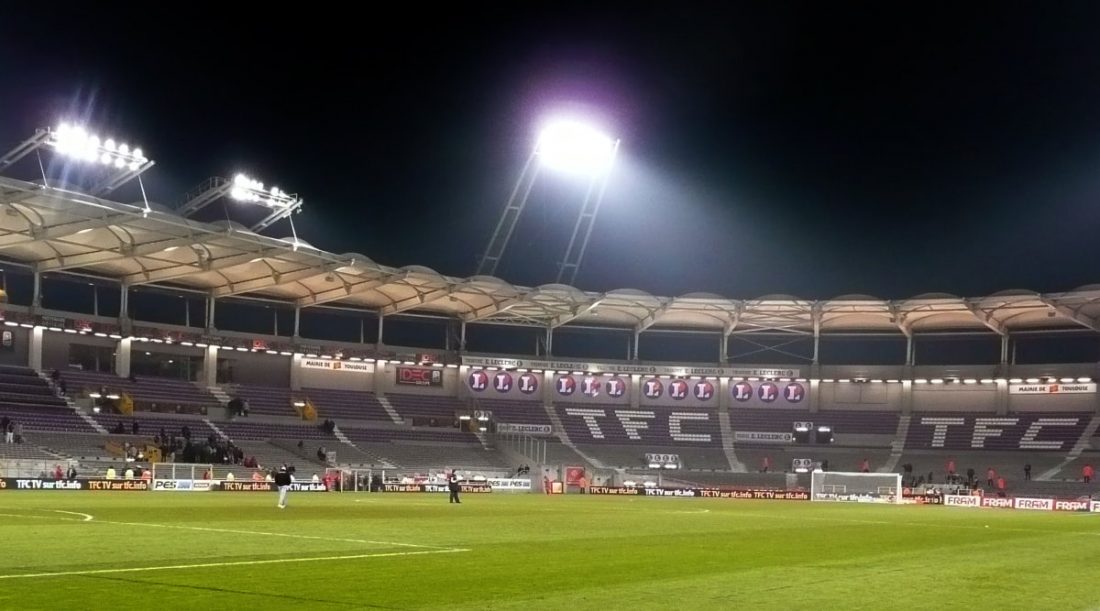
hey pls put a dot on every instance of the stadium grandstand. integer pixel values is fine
(96, 386)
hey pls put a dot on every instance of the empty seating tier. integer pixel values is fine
(1047, 431)
(346, 404)
(146, 391)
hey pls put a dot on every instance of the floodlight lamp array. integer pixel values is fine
(76, 142)
(248, 189)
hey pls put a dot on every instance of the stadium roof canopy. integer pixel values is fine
(54, 230)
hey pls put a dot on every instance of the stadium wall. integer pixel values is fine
(16, 352)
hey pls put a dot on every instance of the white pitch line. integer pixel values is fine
(141, 569)
(271, 534)
(30, 517)
(87, 516)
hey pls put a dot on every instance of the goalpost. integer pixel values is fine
(856, 487)
(180, 471)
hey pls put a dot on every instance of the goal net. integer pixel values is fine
(182, 471)
(855, 487)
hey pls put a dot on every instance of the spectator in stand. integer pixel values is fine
(134, 428)
(1087, 472)
(301, 445)
(1027, 472)
(765, 464)
(17, 432)
(58, 474)
(55, 375)
(4, 422)
(9, 433)
(970, 476)
(111, 474)
(71, 475)
(990, 475)
(950, 468)
(316, 480)
(1001, 487)
(865, 466)
(322, 455)
(128, 474)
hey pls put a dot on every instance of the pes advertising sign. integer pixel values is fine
(419, 376)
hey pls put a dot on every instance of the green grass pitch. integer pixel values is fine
(403, 551)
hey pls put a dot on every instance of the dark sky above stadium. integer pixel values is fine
(813, 149)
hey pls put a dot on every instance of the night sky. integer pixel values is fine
(812, 149)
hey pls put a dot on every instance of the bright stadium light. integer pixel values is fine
(121, 162)
(567, 146)
(76, 142)
(245, 189)
(572, 146)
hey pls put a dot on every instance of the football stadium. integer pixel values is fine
(581, 483)
(203, 409)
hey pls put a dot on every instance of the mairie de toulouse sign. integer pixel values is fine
(628, 368)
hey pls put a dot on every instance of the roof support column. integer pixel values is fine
(209, 312)
(910, 351)
(817, 333)
(462, 337)
(549, 341)
(297, 320)
(124, 303)
(637, 340)
(723, 347)
(381, 328)
(34, 348)
(122, 357)
(362, 330)
(1004, 351)
(36, 297)
(95, 300)
(210, 366)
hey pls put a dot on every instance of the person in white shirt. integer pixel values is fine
(316, 480)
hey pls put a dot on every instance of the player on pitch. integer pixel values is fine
(282, 483)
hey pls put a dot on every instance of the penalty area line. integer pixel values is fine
(206, 565)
